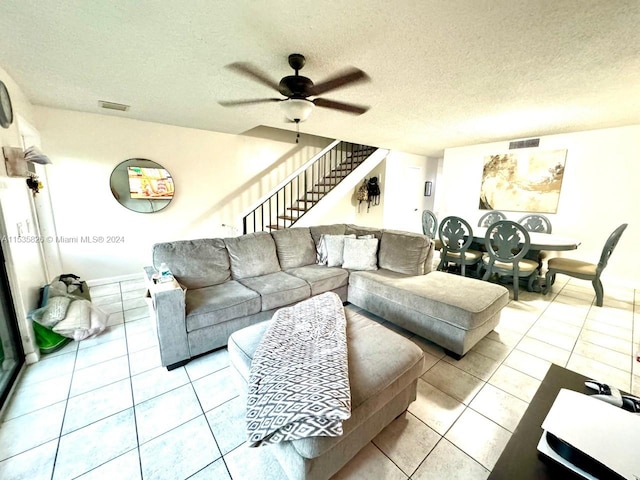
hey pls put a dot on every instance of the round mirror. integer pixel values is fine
(142, 185)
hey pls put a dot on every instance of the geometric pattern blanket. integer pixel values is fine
(299, 376)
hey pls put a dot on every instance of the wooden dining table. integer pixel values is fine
(539, 241)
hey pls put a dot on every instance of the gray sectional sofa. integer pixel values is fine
(224, 285)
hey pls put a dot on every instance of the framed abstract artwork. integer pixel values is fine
(524, 181)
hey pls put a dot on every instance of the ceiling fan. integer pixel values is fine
(297, 89)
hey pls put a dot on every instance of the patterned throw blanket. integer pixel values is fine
(299, 379)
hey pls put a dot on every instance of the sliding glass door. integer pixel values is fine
(11, 354)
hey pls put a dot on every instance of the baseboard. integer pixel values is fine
(119, 278)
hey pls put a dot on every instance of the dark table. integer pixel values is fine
(520, 460)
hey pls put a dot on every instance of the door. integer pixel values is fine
(413, 199)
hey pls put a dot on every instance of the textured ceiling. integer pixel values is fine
(443, 73)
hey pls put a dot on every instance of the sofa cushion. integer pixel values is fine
(463, 302)
(403, 252)
(318, 231)
(295, 247)
(252, 255)
(363, 231)
(321, 279)
(360, 254)
(219, 303)
(278, 289)
(194, 263)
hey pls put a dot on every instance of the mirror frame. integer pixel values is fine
(119, 184)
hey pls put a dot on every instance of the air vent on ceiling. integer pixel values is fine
(532, 142)
(113, 106)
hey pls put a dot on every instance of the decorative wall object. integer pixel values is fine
(428, 186)
(142, 185)
(15, 162)
(524, 181)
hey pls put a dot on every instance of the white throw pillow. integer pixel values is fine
(360, 254)
(321, 251)
(335, 247)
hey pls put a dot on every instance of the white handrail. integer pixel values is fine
(296, 172)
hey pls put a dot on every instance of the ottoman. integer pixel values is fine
(452, 311)
(383, 373)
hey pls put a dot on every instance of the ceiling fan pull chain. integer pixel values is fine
(297, 130)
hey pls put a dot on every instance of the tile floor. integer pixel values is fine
(104, 408)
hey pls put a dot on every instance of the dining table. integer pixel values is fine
(539, 241)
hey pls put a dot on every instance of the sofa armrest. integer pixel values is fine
(169, 312)
(428, 263)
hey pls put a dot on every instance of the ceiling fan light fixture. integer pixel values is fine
(297, 109)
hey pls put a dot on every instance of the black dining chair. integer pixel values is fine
(584, 270)
(507, 243)
(535, 222)
(491, 217)
(456, 235)
(430, 227)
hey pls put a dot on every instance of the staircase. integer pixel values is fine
(301, 192)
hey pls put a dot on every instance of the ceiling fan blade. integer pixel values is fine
(254, 73)
(346, 77)
(345, 107)
(235, 103)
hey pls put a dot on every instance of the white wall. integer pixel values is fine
(24, 263)
(599, 192)
(216, 176)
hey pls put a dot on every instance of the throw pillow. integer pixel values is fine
(360, 254)
(321, 251)
(335, 248)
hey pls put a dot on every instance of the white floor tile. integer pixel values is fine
(99, 375)
(435, 408)
(369, 463)
(454, 382)
(499, 406)
(89, 447)
(448, 462)
(209, 363)
(516, 383)
(97, 404)
(31, 430)
(165, 412)
(228, 424)
(479, 437)
(34, 464)
(215, 389)
(406, 441)
(32, 397)
(126, 466)
(180, 452)
(155, 382)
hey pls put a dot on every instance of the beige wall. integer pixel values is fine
(599, 192)
(24, 261)
(217, 176)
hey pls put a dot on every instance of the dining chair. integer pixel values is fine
(536, 223)
(491, 217)
(584, 270)
(430, 227)
(507, 243)
(456, 235)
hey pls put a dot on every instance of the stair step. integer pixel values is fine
(288, 217)
(297, 209)
(326, 184)
(275, 227)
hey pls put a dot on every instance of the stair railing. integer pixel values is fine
(305, 187)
